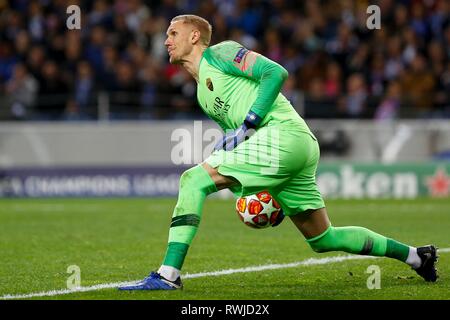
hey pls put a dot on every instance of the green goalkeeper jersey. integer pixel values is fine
(232, 82)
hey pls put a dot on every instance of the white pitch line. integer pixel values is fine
(307, 262)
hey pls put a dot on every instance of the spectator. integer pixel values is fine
(7, 61)
(317, 104)
(36, 24)
(447, 40)
(419, 84)
(333, 78)
(84, 93)
(411, 46)
(389, 107)
(21, 92)
(442, 100)
(394, 64)
(35, 60)
(354, 104)
(13, 25)
(56, 47)
(247, 18)
(291, 93)
(418, 22)
(314, 67)
(184, 99)
(125, 94)
(22, 45)
(72, 55)
(148, 97)
(376, 77)
(53, 93)
(158, 36)
(273, 45)
(293, 60)
(220, 28)
(101, 15)
(107, 75)
(305, 36)
(343, 45)
(136, 14)
(121, 35)
(245, 39)
(436, 56)
(94, 49)
(357, 62)
(401, 19)
(439, 18)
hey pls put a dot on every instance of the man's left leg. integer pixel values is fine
(323, 237)
(301, 200)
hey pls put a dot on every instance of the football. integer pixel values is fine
(258, 210)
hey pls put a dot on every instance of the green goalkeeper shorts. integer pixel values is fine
(279, 159)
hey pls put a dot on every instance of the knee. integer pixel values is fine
(187, 177)
(190, 178)
(196, 178)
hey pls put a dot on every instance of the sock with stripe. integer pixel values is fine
(195, 186)
(363, 241)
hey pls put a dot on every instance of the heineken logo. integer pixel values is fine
(379, 181)
(347, 182)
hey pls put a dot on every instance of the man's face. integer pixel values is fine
(178, 41)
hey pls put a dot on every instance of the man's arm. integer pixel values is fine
(233, 58)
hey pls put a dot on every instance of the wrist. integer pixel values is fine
(252, 120)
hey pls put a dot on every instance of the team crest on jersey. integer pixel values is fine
(209, 84)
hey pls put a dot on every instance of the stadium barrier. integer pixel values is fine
(360, 159)
(345, 180)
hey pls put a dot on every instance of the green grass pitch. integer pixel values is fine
(117, 240)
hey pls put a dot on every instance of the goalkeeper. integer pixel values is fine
(266, 146)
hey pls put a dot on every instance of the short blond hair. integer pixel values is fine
(200, 23)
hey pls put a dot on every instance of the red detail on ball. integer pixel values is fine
(261, 220)
(241, 204)
(264, 196)
(274, 216)
(254, 207)
(275, 204)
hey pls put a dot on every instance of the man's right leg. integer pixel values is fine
(323, 237)
(195, 185)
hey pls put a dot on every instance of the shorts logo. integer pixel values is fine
(209, 84)
(241, 53)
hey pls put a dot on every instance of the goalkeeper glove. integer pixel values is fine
(231, 139)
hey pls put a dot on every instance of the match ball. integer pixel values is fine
(258, 211)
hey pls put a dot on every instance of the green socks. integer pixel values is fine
(358, 240)
(195, 186)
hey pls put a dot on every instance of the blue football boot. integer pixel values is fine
(154, 282)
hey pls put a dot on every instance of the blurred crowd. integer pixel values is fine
(116, 65)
